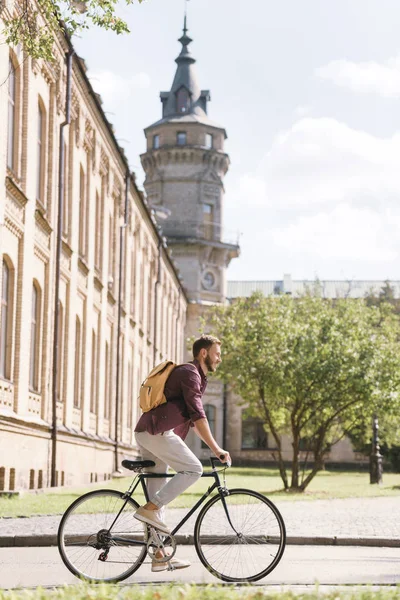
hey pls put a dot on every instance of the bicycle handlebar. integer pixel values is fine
(215, 459)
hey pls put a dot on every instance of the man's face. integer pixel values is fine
(213, 357)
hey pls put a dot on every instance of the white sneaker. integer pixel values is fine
(163, 566)
(151, 518)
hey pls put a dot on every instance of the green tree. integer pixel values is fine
(35, 23)
(309, 367)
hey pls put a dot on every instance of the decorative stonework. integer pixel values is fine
(6, 394)
(76, 418)
(92, 423)
(15, 203)
(83, 272)
(43, 232)
(60, 407)
(34, 404)
(66, 254)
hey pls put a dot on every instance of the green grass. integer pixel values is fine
(327, 484)
(195, 592)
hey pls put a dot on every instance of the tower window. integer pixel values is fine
(209, 140)
(182, 100)
(181, 138)
(156, 142)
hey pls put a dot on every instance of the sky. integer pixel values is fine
(309, 93)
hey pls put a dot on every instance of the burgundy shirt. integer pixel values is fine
(183, 390)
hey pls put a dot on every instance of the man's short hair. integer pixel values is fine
(205, 341)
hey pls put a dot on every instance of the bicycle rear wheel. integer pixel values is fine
(95, 544)
(244, 547)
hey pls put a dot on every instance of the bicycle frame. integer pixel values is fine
(140, 479)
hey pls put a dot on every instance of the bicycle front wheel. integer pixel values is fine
(241, 541)
(99, 539)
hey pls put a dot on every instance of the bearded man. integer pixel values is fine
(160, 435)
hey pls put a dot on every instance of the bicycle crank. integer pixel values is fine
(159, 543)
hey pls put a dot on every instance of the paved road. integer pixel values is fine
(350, 518)
(300, 565)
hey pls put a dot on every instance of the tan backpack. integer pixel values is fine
(152, 388)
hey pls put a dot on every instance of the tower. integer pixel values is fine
(185, 164)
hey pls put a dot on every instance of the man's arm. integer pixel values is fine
(203, 430)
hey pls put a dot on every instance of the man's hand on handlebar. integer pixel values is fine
(225, 457)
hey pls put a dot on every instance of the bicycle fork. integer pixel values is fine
(224, 492)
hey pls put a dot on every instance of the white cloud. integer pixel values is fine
(364, 77)
(302, 111)
(323, 161)
(114, 88)
(324, 194)
(343, 233)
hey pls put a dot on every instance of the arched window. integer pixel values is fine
(41, 152)
(12, 115)
(60, 356)
(6, 321)
(35, 338)
(82, 213)
(98, 233)
(78, 358)
(93, 394)
(182, 100)
(107, 383)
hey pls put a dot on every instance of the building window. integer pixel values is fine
(107, 383)
(208, 212)
(182, 100)
(254, 436)
(110, 253)
(93, 394)
(78, 359)
(156, 142)
(41, 136)
(65, 222)
(210, 411)
(60, 356)
(98, 234)
(181, 138)
(12, 115)
(209, 140)
(6, 322)
(35, 339)
(82, 214)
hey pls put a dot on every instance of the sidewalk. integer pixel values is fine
(351, 522)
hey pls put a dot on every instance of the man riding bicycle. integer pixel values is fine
(160, 435)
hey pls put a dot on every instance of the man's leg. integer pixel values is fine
(171, 449)
(153, 485)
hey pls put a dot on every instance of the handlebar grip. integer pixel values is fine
(220, 458)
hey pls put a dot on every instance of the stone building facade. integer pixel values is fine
(148, 309)
(185, 163)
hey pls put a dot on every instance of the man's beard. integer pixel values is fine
(210, 366)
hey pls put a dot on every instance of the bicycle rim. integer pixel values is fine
(85, 538)
(248, 549)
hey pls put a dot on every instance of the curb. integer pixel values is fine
(24, 541)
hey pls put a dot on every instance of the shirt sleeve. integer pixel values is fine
(191, 390)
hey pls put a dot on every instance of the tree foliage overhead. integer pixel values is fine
(34, 23)
(310, 367)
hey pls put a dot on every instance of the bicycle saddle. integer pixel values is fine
(132, 465)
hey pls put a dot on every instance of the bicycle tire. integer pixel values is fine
(248, 557)
(84, 534)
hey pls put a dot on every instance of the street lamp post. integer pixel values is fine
(375, 463)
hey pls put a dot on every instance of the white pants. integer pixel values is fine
(167, 449)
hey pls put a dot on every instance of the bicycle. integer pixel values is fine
(239, 534)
